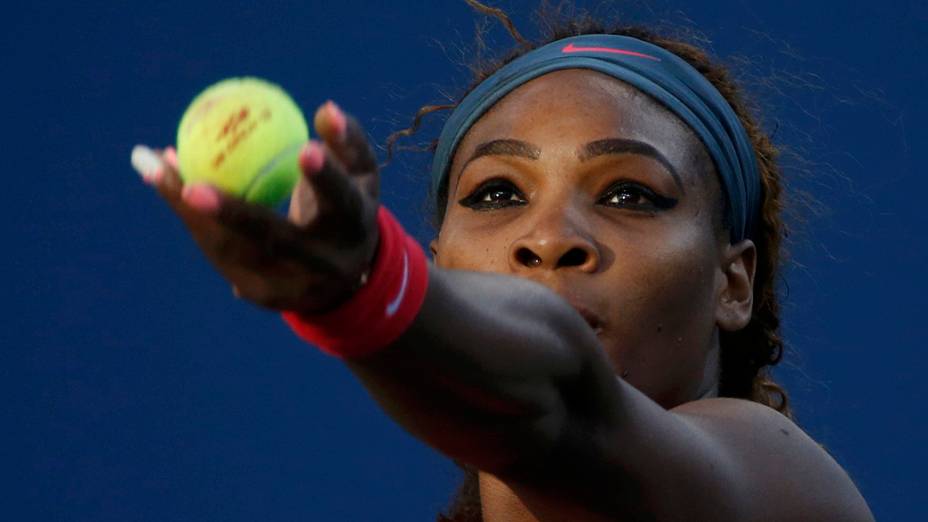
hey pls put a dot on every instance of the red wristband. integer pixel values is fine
(380, 310)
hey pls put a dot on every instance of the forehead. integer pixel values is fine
(566, 108)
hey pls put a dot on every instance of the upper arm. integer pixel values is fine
(713, 459)
(778, 472)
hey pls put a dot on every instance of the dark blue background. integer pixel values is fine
(137, 388)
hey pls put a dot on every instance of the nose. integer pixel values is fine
(555, 243)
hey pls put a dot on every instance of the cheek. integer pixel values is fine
(664, 314)
(465, 248)
(666, 289)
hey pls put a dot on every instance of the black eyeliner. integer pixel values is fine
(664, 203)
(658, 201)
(473, 200)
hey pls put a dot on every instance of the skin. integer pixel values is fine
(568, 342)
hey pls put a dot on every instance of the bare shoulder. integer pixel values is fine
(782, 474)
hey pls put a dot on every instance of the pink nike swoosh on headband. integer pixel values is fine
(571, 48)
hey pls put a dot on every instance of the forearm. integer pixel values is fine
(487, 369)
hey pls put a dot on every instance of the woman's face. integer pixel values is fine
(583, 184)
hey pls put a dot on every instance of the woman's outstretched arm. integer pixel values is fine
(500, 373)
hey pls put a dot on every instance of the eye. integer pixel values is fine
(626, 194)
(494, 194)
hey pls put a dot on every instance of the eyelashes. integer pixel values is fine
(499, 193)
(627, 194)
(494, 194)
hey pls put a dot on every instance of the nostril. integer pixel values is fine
(527, 258)
(573, 257)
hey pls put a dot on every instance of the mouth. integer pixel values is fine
(591, 318)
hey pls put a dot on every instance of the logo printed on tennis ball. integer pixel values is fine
(243, 135)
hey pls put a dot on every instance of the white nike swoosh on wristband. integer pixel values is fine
(394, 304)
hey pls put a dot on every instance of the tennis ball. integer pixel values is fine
(243, 135)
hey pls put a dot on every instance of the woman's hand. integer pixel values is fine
(309, 262)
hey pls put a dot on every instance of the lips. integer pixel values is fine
(595, 322)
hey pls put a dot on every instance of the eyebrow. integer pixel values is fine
(510, 147)
(504, 148)
(624, 146)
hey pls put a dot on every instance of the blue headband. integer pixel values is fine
(651, 69)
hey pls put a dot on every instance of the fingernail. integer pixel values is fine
(337, 119)
(145, 161)
(201, 197)
(153, 177)
(170, 156)
(312, 158)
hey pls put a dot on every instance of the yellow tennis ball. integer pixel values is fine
(243, 135)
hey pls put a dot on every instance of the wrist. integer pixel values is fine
(339, 288)
(384, 305)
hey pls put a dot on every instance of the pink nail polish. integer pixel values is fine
(170, 156)
(201, 197)
(338, 120)
(312, 158)
(153, 177)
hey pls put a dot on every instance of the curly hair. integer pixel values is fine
(747, 355)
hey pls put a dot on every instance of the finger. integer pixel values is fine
(159, 169)
(345, 137)
(146, 162)
(151, 165)
(243, 240)
(172, 178)
(202, 197)
(195, 203)
(212, 215)
(199, 205)
(340, 204)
